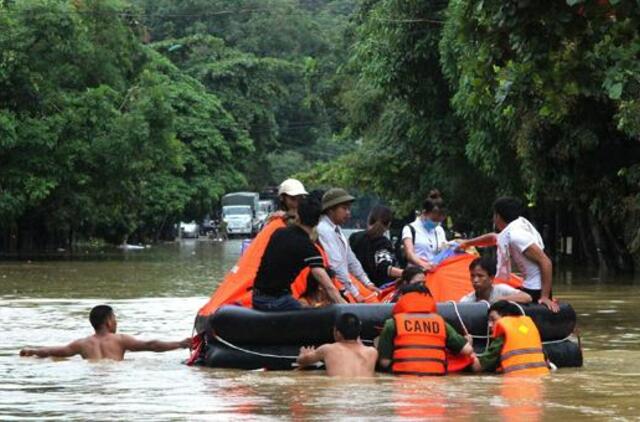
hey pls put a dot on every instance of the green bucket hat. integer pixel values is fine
(335, 196)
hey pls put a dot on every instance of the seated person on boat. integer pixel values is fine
(415, 340)
(423, 239)
(374, 250)
(288, 252)
(482, 272)
(336, 210)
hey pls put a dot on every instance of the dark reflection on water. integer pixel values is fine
(156, 293)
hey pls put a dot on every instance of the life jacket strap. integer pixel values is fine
(400, 360)
(517, 352)
(522, 366)
(419, 347)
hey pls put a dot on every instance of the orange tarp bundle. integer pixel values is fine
(236, 285)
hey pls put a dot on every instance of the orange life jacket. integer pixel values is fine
(522, 351)
(421, 337)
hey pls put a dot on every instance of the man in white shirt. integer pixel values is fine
(336, 209)
(482, 272)
(519, 241)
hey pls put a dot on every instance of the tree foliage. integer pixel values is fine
(101, 135)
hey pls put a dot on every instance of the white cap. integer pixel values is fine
(292, 187)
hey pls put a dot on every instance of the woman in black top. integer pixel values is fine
(374, 250)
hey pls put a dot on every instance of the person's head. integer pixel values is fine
(414, 298)
(505, 210)
(412, 274)
(102, 316)
(348, 327)
(379, 221)
(432, 210)
(309, 211)
(435, 196)
(502, 308)
(336, 204)
(482, 271)
(290, 192)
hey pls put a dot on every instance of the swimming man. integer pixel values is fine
(105, 343)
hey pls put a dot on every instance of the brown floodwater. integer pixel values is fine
(156, 293)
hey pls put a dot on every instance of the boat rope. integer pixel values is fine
(558, 341)
(252, 352)
(455, 308)
(519, 307)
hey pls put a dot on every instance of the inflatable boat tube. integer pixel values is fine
(240, 325)
(564, 354)
(243, 338)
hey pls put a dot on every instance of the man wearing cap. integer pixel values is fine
(336, 210)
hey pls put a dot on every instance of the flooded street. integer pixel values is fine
(156, 294)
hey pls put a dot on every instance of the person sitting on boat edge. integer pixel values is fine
(482, 271)
(515, 348)
(422, 239)
(288, 252)
(336, 210)
(410, 275)
(414, 341)
(347, 357)
(105, 343)
(517, 239)
(374, 250)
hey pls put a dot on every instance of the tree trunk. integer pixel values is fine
(584, 238)
(601, 246)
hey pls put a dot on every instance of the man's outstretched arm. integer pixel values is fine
(69, 350)
(133, 344)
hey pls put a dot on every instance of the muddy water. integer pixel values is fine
(156, 293)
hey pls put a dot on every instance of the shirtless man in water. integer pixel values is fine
(347, 357)
(105, 343)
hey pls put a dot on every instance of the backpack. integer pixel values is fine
(401, 256)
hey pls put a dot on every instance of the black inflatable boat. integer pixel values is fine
(237, 337)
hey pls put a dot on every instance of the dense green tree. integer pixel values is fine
(398, 106)
(555, 84)
(102, 136)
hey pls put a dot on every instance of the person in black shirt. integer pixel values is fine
(288, 252)
(374, 250)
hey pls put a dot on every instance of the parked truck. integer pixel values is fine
(239, 211)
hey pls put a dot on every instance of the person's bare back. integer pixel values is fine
(349, 359)
(105, 343)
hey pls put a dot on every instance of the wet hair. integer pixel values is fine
(414, 288)
(99, 315)
(379, 219)
(309, 211)
(410, 272)
(349, 326)
(508, 208)
(505, 308)
(486, 263)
